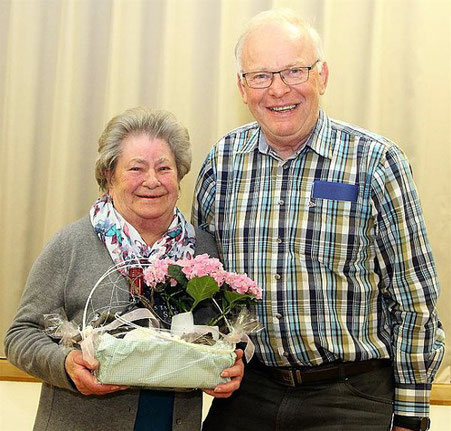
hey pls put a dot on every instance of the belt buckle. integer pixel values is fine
(298, 376)
(289, 378)
(292, 377)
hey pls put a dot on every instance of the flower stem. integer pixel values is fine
(222, 315)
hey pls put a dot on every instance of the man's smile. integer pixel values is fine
(284, 108)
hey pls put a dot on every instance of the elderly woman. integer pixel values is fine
(143, 155)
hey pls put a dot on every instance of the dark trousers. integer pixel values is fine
(356, 403)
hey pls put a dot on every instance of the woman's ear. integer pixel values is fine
(109, 178)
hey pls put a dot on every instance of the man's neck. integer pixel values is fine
(287, 149)
(285, 152)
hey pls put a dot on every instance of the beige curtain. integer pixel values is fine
(67, 66)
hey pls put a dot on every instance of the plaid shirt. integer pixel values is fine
(336, 238)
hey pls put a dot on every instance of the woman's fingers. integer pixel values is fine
(80, 373)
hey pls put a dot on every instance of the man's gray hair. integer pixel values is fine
(280, 15)
(156, 124)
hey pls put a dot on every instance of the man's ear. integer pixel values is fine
(323, 78)
(241, 88)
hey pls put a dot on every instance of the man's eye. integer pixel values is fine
(296, 71)
(135, 168)
(260, 76)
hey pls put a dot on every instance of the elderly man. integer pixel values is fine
(326, 218)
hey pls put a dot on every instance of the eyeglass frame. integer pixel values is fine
(309, 68)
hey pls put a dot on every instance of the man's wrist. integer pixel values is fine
(414, 423)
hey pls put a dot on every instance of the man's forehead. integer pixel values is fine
(277, 46)
(279, 30)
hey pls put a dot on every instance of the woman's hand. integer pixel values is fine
(235, 372)
(80, 372)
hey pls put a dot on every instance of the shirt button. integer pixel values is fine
(178, 421)
(281, 202)
(278, 316)
(286, 166)
(279, 240)
(286, 354)
(277, 276)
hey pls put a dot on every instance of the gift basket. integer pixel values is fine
(175, 325)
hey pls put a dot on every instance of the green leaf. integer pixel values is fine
(201, 288)
(176, 273)
(232, 297)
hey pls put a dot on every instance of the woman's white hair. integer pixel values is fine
(280, 15)
(155, 123)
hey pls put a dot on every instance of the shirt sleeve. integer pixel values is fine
(203, 209)
(409, 284)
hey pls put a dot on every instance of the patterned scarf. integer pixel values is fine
(124, 243)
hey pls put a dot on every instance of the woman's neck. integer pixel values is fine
(151, 230)
(150, 237)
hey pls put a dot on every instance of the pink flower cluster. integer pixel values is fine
(200, 266)
(243, 284)
(158, 272)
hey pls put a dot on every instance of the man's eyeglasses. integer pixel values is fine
(291, 76)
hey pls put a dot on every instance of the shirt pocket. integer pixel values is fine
(333, 236)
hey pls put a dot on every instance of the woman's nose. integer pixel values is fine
(151, 180)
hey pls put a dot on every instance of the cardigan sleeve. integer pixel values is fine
(27, 346)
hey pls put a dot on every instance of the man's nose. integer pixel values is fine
(278, 88)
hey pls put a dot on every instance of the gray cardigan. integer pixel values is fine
(63, 276)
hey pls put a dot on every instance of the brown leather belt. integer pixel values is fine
(295, 376)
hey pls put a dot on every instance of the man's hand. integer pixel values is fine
(80, 372)
(235, 372)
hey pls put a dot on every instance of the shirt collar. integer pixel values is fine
(252, 132)
(319, 139)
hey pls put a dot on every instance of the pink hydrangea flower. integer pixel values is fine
(200, 266)
(241, 283)
(158, 272)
